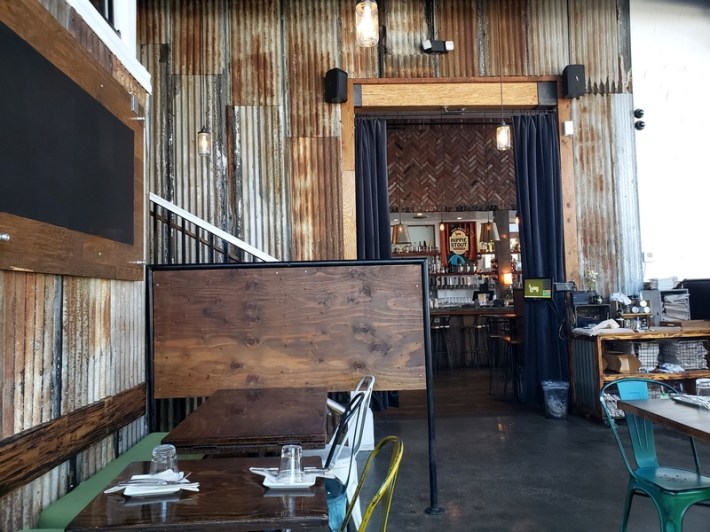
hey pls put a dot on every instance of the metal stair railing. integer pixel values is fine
(180, 237)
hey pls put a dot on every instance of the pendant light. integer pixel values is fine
(204, 137)
(504, 139)
(400, 234)
(367, 29)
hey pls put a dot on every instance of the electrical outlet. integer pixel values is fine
(647, 256)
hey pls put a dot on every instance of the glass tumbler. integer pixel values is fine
(702, 387)
(290, 469)
(164, 459)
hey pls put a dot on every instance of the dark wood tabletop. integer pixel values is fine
(254, 420)
(230, 498)
(690, 420)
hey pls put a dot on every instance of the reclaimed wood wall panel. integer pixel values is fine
(295, 325)
(31, 453)
(30, 326)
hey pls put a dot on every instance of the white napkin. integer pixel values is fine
(158, 484)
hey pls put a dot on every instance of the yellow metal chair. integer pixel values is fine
(384, 492)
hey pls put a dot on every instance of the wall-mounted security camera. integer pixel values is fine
(639, 124)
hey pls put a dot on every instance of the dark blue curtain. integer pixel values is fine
(537, 169)
(373, 208)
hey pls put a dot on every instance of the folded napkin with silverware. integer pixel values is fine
(158, 484)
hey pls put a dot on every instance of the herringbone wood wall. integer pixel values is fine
(452, 167)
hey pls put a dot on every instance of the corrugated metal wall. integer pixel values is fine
(67, 342)
(251, 71)
(274, 175)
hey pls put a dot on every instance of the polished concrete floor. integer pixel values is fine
(504, 467)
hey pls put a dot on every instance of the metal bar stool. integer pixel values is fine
(476, 341)
(440, 335)
(498, 354)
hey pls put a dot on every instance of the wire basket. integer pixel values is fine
(648, 353)
(689, 354)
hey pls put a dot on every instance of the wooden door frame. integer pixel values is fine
(519, 93)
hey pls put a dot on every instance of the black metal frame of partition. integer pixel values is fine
(434, 507)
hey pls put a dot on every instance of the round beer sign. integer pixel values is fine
(458, 242)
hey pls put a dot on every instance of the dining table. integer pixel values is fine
(693, 421)
(255, 420)
(230, 497)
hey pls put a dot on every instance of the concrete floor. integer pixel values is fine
(515, 470)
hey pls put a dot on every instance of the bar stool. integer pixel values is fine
(498, 355)
(439, 328)
(476, 339)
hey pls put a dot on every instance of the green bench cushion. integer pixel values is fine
(60, 513)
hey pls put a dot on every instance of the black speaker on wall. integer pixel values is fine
(336, 86)
(573, 81)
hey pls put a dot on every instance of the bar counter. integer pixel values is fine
(459, 319)
(506, 311)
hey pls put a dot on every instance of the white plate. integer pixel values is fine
(308, 481)
(147, 491)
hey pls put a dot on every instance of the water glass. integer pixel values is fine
(702, 387)
(290, 469)
(164, 459)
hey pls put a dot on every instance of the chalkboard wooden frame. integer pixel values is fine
(35, 244)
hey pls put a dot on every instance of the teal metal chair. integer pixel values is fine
(673, 490)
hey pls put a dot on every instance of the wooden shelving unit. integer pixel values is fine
(586, 373)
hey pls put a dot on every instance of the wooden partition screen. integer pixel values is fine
(288, 324)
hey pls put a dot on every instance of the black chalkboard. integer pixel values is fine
(65, 159)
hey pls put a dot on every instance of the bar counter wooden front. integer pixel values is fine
(230, 498)
(254, 420)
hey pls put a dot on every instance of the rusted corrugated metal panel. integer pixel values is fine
(315, 226)
(406, 29)
(505, 23)
(312, 49)
(457, 21)
(127, 338)
(31, 325)
(548, 37)
(198, 36)
(256, 52)
(630, 263)
(356, 61)
(607, 196)
(260, 179)
(102, 343)
(598, 41)
(85, 346)
(154, 24)
(594, 181)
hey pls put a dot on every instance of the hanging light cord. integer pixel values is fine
(500, 65)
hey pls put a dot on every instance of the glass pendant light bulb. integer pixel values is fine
(503, 137)
(204, 142)
(366, 25)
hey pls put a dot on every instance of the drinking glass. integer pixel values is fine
(290, 470)
(164, 459)
(702, 387)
